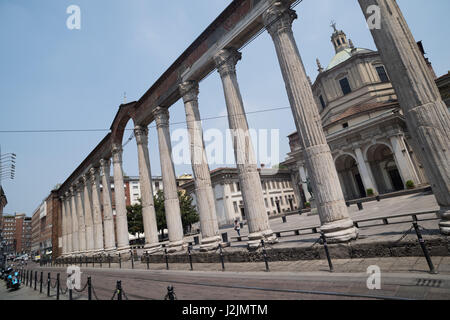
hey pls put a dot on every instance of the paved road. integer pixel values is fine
(210, 285)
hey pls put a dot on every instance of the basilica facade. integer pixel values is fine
(364, 126)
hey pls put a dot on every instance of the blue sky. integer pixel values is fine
(55, 78)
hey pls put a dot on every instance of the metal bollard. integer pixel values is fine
(148, 260)
(109, 260)
(325, 245)
(48, 285)
(265, 255)
(42, 279)
(424, 249)
(101, 260)
(26, 279)
(89, 288)
(93, 261)
(190, 257)
(221, 257)
(31, 279)
(119, 290)
(70, 294)
(132, 259)
(167, 259)
(120, 261)
(360, 206)
(57, 286)
(35, 280)
(284, 219)
(86, 261)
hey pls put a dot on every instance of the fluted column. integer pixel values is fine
(108, 218)
(303, 178)
(250, 181)
(335, 220)
(96, 210)
(63, 227)
(426, 114)
(81, 221)
(365, 172)
(123, 243)
(73, 206)
(68, 223)
(88, 215)
(171, 202)
(403, 160)
(202, 178)
(145, 180)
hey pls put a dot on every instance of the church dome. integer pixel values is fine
(344, 55)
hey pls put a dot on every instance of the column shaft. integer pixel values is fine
(250, 181)
(63, 227)
(81, 221)
(202, 178)
(171, 202)
(123, 243)
(108, 217)
(75, 238)
(364, 170)
(145, 180)
(336, 222)
(68, 223)
(426, 114)
(403, 160)
(96, 210)
(88, 215)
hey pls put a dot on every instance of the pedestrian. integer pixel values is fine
(237, 227)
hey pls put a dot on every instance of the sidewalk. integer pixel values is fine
(24, 293)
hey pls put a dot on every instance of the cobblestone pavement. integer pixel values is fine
(406, 277)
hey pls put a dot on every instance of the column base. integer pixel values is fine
(210, 244)
(152, 247)
(254, 239)
(340, 231)
(444, 224)
(176, 246)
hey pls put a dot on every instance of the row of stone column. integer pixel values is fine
(81, 227)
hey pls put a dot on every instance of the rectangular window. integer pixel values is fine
(345, 125)
(265, 201)
(232, 187)
(271, 200)
(345, 86)
(235, 207)
(382, 74)
(238, 186)
(322, 102)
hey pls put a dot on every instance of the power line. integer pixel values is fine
(154, 126)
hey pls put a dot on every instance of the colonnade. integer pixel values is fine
(86, 230)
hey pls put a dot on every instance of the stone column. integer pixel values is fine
(68, 223)
(228, 206)
(335, 220)
(123, 244)
(145, 180)
(171, 202)
(96, 210)
(427, 116)
(250, 181)
(81, 221)
(202, 178)
(88, 215)
(108, 218)
(403, 160)
(75, 238)
(303, 177)
(364, 170)
(63, 227)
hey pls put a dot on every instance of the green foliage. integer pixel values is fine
(307, 204)
(370, 192)
(189, 215)
(410, 184)
(134, 218)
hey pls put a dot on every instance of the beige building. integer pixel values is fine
(363, 124)
(279, 195)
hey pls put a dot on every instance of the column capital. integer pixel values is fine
(279, 17)
(189, 90)
(85, 178)
(104, 163)
(161, 116)
(67, 194)
(226, 60)
(141, 134)
(117, 153)
(73, 189)
(93, 172)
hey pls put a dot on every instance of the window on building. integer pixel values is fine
(322, 102)
(265, 201)
(382, 74)
(238, 186)
(271, 201)
(235, 207)
(338, 42)
(345, 125)
(232, 187)
(345, 86)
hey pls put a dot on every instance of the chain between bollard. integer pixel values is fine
(405, 234)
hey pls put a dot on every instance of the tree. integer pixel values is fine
(189, 215)
(134, 218)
